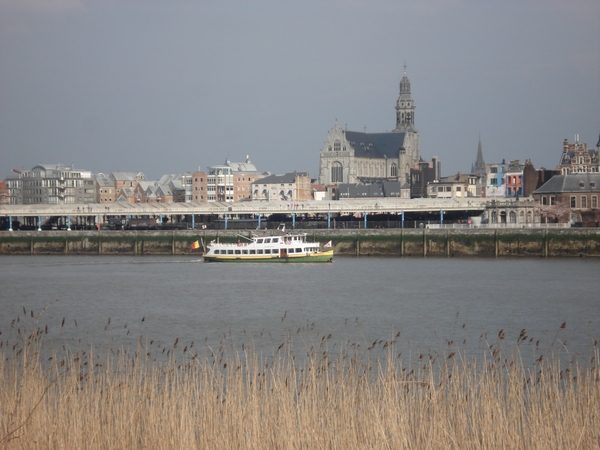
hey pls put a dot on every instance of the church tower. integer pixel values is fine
(405, 107)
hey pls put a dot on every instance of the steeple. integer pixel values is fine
(405, 107)
(479, 166)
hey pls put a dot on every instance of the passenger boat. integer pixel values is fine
(283, 248)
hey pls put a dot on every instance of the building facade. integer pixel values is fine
(577, 158)
(231, 182)
(52, 184)
(295, 186)
(579, 192)
(494, 180)
(348, 156)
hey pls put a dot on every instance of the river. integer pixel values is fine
(431, 303)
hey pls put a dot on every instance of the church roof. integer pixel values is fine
(375, 145)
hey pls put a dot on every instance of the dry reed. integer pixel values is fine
(344, 400)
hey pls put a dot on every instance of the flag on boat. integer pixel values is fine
(195, 245)
(328, 244)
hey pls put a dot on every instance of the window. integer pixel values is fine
(259, 252)
(337, 172)
(573, 201)
(584, 201)
(267, 251)
(238, 252)
(253, 252)
(394, 170)
(298, 250)
(512, 217)
(544, 200)
(594, 201)
(267, 240)
(337, 146)
(230, 252)
(552, 200)
(275, 240)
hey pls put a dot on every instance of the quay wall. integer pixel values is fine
(480, 242)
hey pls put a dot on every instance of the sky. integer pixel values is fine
(174, 86)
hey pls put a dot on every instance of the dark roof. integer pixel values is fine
(285, 178)
(571, 183)
(375, 145)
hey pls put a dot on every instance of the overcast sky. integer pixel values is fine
(163, 86)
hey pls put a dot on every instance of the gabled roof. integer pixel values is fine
(573, 182)
(375, 145)
(128, 176)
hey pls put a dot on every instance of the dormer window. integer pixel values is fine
(581, 184)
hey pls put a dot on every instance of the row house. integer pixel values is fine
(294, 186)
(513, 179)
(456, 186)
(577, 158)
(126, 186)
(494, 180)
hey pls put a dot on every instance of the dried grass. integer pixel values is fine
(241, 399)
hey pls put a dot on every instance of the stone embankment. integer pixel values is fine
(577, 242)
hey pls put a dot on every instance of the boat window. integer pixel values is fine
(275, 251)
(267, 251)
(298, 250)
(290, 250)
(238, 252)
(267, 240)
(275, 239)
(259, 241)
(244, 252)
(230, 252)
(253, 252)
(217, 252)
(259, 252)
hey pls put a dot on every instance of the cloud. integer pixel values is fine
(42, 6)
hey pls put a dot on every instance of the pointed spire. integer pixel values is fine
(479, 167)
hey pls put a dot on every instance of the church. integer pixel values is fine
(352, 157)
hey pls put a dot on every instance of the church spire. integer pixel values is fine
(479, 166)
(405, 107)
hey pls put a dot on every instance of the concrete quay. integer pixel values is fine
(477, 242)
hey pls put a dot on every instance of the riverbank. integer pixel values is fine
(480, 242)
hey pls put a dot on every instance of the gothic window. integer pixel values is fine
(337, 173)
(394, 171)
(337, 146)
